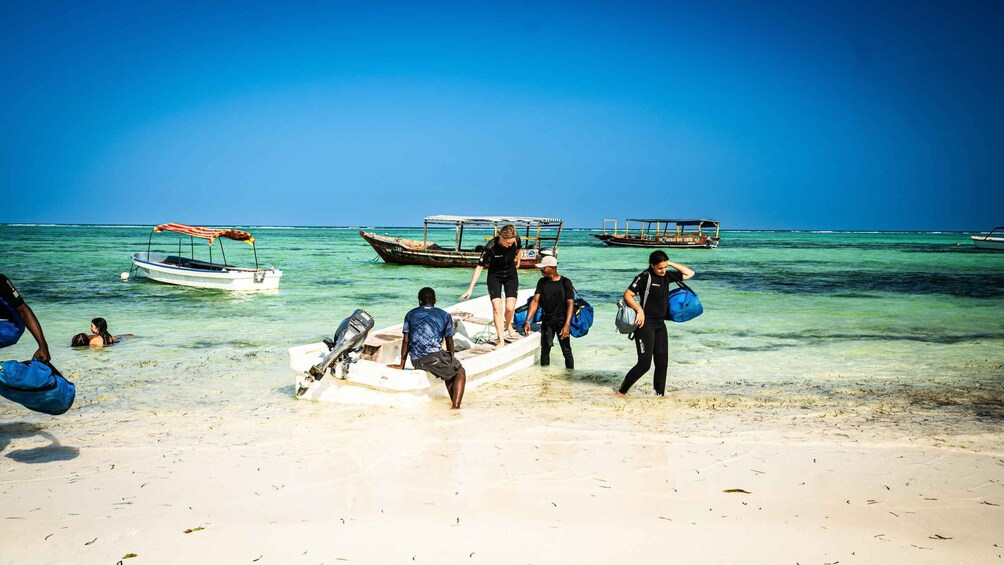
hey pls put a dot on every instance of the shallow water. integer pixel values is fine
(870, 322)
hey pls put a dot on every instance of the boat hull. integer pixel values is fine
(370, 381)
(988, 243)
(696, 242)
(152, 265)
(403, 251)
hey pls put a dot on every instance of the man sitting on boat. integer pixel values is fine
(425, 329)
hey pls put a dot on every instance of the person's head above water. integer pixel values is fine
(80, 340)
(427, 297)
(100, 327)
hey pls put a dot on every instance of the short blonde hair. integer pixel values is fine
(507, 232)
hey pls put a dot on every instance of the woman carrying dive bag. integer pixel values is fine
(651, 309)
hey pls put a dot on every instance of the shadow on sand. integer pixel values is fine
(54, 451)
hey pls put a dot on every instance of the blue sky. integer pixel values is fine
(791, 115)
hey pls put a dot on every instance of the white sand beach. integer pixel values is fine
(575, 477)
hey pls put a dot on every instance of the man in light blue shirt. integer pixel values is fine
(425, 329)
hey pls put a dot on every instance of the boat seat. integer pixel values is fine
(478, 349)
(466, 317)
(376, 340)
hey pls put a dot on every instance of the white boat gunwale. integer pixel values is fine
(989, 242)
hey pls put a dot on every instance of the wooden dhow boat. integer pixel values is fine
(353, 368)
(538, 235)
(666, 233)
(189, 271)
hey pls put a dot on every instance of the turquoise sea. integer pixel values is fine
(870, 322)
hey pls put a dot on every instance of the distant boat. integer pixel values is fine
(539, 236)
(359, 373)
(188, 271)
(667, 233)
(989, 242)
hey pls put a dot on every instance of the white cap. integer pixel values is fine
(547, 261)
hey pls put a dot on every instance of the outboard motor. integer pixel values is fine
(343, 349)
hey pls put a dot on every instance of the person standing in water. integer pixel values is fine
(425, 329)
(501, 256)
(555, 296)
(651, 340)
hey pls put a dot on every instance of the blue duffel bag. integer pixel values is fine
(519, 316)
(37, 386)
(684, 304)
(582, 317)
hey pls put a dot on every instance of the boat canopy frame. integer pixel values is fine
(495, 222)
(663, 226)
(210, 234)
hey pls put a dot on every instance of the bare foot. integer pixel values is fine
(619, 394)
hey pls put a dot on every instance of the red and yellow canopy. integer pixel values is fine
(206, 233)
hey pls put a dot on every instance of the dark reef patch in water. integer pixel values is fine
(966, 284)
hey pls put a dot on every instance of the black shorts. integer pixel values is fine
(497, 284)
(442, 364)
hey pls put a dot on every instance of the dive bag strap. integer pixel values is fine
(683, 285)
(644, 298)
(648, 287)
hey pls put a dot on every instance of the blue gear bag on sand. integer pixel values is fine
(37, 386)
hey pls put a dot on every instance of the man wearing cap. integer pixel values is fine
(555, 297)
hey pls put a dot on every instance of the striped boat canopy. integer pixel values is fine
(207, 233)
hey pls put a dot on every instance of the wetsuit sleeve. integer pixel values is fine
(486, 254)
(9, 294)
(638, 286)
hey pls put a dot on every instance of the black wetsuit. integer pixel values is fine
(651, 340)
(502, 271)
(553, 304)
(10, 296)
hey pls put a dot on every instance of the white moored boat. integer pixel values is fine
(989, 241)
(188, 271)
(359, 373)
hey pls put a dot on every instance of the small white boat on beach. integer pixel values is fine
(990, 242)
(188, 271)
(358, 373)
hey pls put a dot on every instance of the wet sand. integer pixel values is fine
(574, 476)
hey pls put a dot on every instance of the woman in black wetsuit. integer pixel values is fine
(501, 256)
(652, 287)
